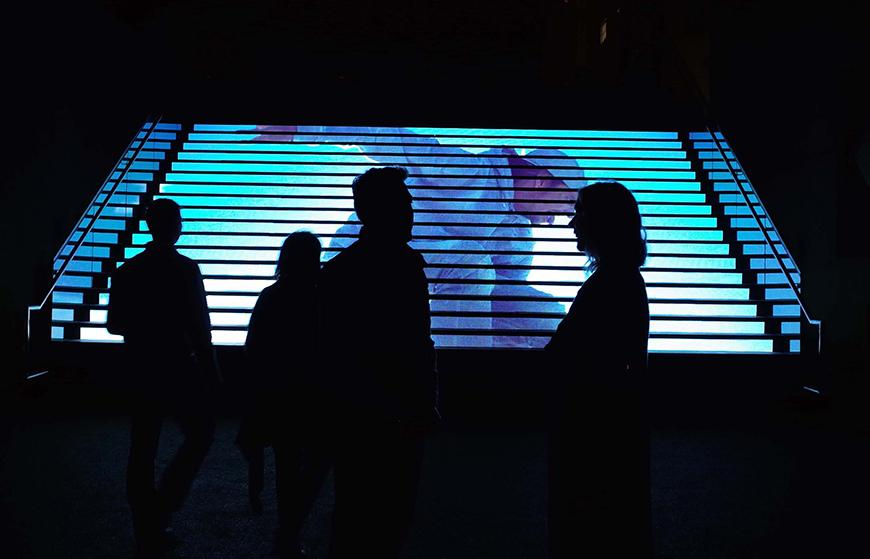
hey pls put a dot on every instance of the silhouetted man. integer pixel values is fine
(157, 302)
(376, 328)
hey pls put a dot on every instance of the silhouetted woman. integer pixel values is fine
(598, 434)
(285, 401)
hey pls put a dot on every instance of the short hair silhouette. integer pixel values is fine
(299, 256)
(611, 225)
(380, 195)
(163, 217)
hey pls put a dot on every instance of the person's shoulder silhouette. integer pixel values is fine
(157, 298)
(376, 298)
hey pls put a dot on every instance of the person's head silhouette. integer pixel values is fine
(608, 227)
(163, 217)
(383, 203)
(299, 258)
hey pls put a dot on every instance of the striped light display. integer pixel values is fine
(501, 261)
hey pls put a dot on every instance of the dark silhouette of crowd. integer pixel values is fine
(341, 376)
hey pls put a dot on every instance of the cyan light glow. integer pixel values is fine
(498, 276)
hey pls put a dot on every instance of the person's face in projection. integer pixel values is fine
(531, 198)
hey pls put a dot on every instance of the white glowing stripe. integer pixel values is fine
(706, 327)
(711, 345)
(229, 337)
(94, 334)
(702, 309)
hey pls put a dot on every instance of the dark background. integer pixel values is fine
(786, 85)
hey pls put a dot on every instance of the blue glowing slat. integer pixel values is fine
(253, 152)
(137, 187)
(313, 204)
(160, 136)
(646, 209)
(730, 187)
(87, 251)
(757, 235)
(139, 176)
(110, 211)
(703, 309)
(711, 345)
(147, 154)
(715, 155)
(693, 277)
(129, 199)
(96, 237)
(749, 223)
(721, 165)
(743, 210)
(618, 173)
(794, 346)
(756, 250)
(786, 310)
(498, 132)
(62, 315)
(670, 197)
(780, 294)
(684, 235)
(156, 146)
(688, 248)
(145, 165)
(75, 281)
(242, 270)
(737, 199)
(167, 126)
(110, 224)
(679, 222)
(705, 136)
(80, 265)
(67, 297)
(712, 146)
(777, 278)
(57, 332)
(104, 298)
(770, 264)
(791, 328)
(725, 176)
(469, 131)
(699, 293)
(447, 141)
(698, 263)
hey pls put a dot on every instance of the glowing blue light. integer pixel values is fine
(64, 315)
(67, 297)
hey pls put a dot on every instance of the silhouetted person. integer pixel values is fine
(598, 433)
(157, 302)
(377, 335)
(286, 408)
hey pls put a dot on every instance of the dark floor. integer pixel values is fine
(790, 486)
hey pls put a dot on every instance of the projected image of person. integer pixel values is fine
(476, 210)
(598, 478)
(286, 401)
(157, 303)
(375, 308)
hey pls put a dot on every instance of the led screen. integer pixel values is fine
(491, 212)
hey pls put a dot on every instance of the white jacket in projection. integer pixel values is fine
(473, 264)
